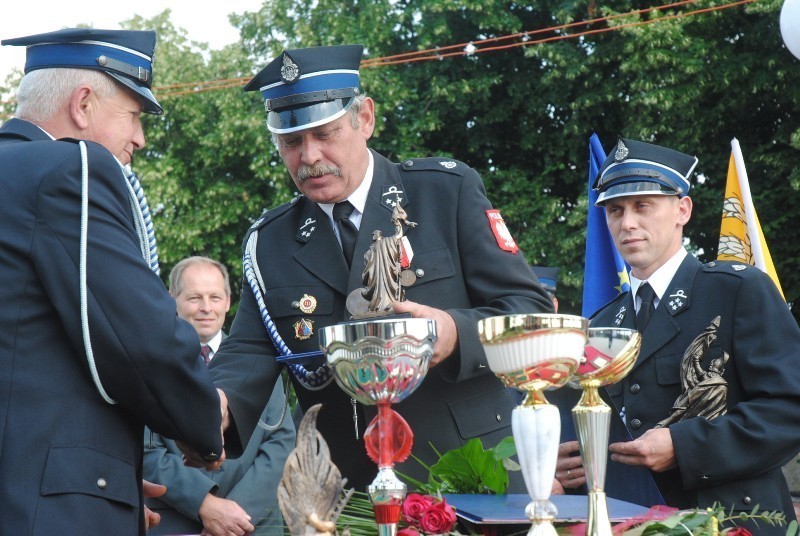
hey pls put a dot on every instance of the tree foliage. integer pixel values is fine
(521, 115)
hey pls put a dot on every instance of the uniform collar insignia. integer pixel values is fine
(677, 301)
(391, 196)
(620, 316)
(306, 229)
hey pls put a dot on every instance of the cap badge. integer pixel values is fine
(308, 304)
(622, 151)
(303, 329)
(290, 71)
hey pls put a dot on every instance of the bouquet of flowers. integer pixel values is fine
(425, 514)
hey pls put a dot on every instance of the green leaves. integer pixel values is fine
(471, 469)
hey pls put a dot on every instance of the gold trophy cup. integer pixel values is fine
(609, 357)
(533, 353)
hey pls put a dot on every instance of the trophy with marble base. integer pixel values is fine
(380, 358)
(609, 356)
(534, 353)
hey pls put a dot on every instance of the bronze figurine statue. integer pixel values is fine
(382, 268)
(705, 392)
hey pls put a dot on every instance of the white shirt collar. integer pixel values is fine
(661, 278)
(214, 343)
(358, 198)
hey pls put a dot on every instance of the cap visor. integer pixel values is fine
(151, 105)
(303, 117)
(633, 188)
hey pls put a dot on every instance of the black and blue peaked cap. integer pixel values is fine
(125, 55)
(308, 87)
(639, 168)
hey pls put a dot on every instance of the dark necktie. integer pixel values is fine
(205, 353)
(347, 229)
(647, 307)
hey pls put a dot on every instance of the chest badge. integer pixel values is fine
(308, 304)
(303, 329)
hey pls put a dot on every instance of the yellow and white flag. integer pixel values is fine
(740, 237)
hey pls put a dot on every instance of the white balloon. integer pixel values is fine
(790, 26)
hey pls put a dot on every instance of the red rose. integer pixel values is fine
(738, 531)
(408, 531)
(438, 519)
(414, 506)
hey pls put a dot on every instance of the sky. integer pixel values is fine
(205, 21)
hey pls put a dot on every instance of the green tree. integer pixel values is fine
(523, 115)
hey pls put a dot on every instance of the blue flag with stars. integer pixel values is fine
(605, 273)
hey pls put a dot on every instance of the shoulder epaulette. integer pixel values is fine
(728, 267)
(273, 213)
(436, 163)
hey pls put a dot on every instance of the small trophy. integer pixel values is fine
(380, 359)
(609, 357)
(533, 353)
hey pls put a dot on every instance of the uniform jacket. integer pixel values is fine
(734, 459)
(70, 463)
(250, 480)
(460, 268)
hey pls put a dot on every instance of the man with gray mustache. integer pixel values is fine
(300, 269)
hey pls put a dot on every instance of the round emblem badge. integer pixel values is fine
(308, 304)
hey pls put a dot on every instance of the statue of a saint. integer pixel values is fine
(705, 392)
(382, 267)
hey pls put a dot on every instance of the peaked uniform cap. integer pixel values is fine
(308, 87)
(639, 168)
(125, 55)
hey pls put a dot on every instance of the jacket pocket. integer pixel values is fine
(85, 470)
(481, 414)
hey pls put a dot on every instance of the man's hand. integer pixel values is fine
(653, 450)
(569, 467)
(222, 517)
(152, 519)
(446, 333)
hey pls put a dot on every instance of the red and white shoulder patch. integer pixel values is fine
(501, 233)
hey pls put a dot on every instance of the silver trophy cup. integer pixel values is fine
(381, 362)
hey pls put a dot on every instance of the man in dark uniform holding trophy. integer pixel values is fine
(712, 403)
(303, 259)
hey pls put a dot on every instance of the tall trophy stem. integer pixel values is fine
(592, 419)
(608, 357)
(386, 492)
(536, 430)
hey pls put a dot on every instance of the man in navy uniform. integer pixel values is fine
(735, 458)
(91, 348)
(465, 266)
